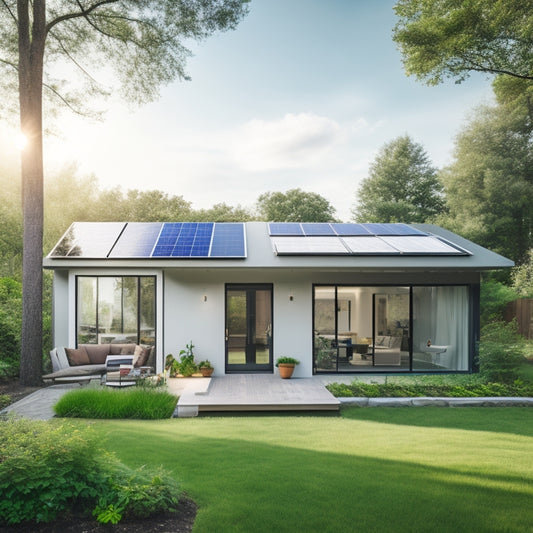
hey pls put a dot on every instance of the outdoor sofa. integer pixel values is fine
(88, 361)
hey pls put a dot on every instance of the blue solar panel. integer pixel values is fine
(228, 240)
(392, 229)
(317, 228)
(350, 229)
(137, 240)
(285, 228)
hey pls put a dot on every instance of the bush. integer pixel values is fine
(135, 402)
(47, 469)
(501, 352)
(494, 297)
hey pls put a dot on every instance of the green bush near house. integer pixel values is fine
(47, 469)
(132, 402)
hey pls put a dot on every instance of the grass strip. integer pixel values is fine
(132, 402)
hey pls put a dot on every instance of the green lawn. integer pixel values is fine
(374, 469)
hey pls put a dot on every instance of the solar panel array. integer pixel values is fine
(177, 240)
(292, 238)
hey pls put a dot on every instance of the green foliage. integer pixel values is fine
(205, 364)
(501, 352)
(294, 205)
(48, 469)
(522, 277)
(132, 402)
(10, 325)
(187, 365)
(402, 186)
(45, 469)
(5, 399)
(450, 39)
(493, 299)
(406, 390)
(489, 185)
(287, 361)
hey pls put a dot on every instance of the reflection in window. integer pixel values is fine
(368, 329)
(117, 309)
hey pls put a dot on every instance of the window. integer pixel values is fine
(391, 329)
(116, 309)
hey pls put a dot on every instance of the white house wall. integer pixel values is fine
(191, 305)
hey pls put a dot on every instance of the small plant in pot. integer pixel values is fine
(286, 366)
(206, 368)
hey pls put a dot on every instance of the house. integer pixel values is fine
(341, 298)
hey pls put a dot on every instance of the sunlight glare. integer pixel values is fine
(21, 141)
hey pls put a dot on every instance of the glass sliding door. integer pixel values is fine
(441, 328)
(392, 329)
(249, 328)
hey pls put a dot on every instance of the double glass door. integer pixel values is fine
(249, 328)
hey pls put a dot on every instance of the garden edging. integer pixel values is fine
(427, 401)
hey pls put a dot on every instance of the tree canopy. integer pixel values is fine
(402, 186)
(489, 185)
(63, 47)
(294, 205)
(451, 39)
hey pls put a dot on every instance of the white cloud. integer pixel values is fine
(294, 141)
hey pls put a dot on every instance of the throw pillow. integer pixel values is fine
(140, 355)
(77, 356)
(127, 350)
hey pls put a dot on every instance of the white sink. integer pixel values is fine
(434, 349)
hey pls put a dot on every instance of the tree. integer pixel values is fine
(140, 39)
(402, 186)
(294, 206)
(489, 185)
(450, 39)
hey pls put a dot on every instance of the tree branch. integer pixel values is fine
(10, 12)
(82, 13)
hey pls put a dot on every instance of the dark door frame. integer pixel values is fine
(250, 366)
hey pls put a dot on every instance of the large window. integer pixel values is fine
(391, 329)
(116, 309)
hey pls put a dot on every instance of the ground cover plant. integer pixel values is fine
(132, 402)
(49, 469)
(397, 469)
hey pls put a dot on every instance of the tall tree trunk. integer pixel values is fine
(32, 36)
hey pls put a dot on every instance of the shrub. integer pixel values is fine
(494, 297)
(47, 469)
(135, 402)
(501, 352)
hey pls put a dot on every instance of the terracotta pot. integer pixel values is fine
(285, 370)
(206, 372)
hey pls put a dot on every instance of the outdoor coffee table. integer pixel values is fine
(120, 371)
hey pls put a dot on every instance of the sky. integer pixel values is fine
(302, 94)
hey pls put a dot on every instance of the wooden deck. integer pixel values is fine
(254, 392)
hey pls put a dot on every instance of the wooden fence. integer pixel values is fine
(522, 310)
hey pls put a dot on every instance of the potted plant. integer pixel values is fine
(206, 368)
(286, 366)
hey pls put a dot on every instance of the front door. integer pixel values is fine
(249, 328)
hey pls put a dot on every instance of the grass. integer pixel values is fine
(133, 402)
(371, 470)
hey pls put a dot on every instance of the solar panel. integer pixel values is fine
(369, 246)
(285, 228)
(392, 229)
(137, 240)
(350, 229)
(308, 246)
(424, 245)
(316, 228)
(228, 240)
(88, 239)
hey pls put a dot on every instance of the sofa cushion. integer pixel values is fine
(97, 352)
(140, 355)
(77, 356)
(81, 370)
(116, 349)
